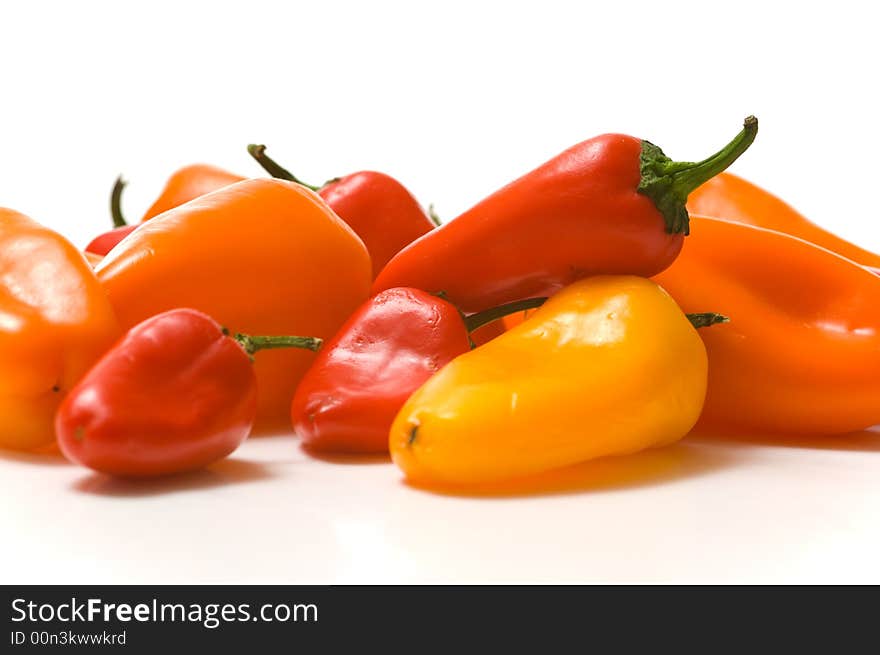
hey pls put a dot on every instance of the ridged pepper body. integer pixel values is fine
(730, 197)
(801, 353)
(360, 379)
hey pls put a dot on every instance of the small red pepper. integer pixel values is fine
(104, 243)
(174, 394)
(386, 350)
(610, 205)
(377, 207)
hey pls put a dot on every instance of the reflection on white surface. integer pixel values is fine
(702, 511)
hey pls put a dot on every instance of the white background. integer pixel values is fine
(454, 99)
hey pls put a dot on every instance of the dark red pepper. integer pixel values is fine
(377, 207)
(386, 350)
(610, 205)
(174, 394)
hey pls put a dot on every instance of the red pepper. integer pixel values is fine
(610, 205)
(104, 243)
(377, 207)
(386, 350)
(174, 394)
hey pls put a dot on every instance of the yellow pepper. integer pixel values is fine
(55, 321)
(608, 366)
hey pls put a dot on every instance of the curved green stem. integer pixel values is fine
(258, 152)
(252, 344)
(480, 319)
(116, 203)
(668, 183)
(705, 319)
(435, 218)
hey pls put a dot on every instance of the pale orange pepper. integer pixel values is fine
(55, 322)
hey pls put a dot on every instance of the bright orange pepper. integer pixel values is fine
(733, 198)
(801, 353)
(189, 183)
(55, 322)
(262, 256)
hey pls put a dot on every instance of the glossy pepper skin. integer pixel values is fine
(610, 365)
(55, 322)
(383, 213)
(189, 183)
(104, 243)
(174, 394)
(359, 381)
(613, 204)
(730, 197)
(802, 350)
(266, 256)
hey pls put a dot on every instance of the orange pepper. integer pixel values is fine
(801, 353)
(262, 256)
(55, 322)
(733, 198)
(189, 183)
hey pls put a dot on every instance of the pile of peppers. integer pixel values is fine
(608, 301)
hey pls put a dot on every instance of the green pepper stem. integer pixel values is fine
(258, 152)
(705, 319)
(478, 320)
(116, 203)
(252, 344)
(486, 316)
(435, 218)
(668, 183)
(689, 175)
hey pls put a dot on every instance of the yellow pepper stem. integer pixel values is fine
(706, 319)
(480, 319)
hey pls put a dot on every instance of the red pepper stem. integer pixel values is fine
(252, 345)
(116, 203)
(687, 176)
(480, 319)
(258, 152)
(668, 183)
(706, 319)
